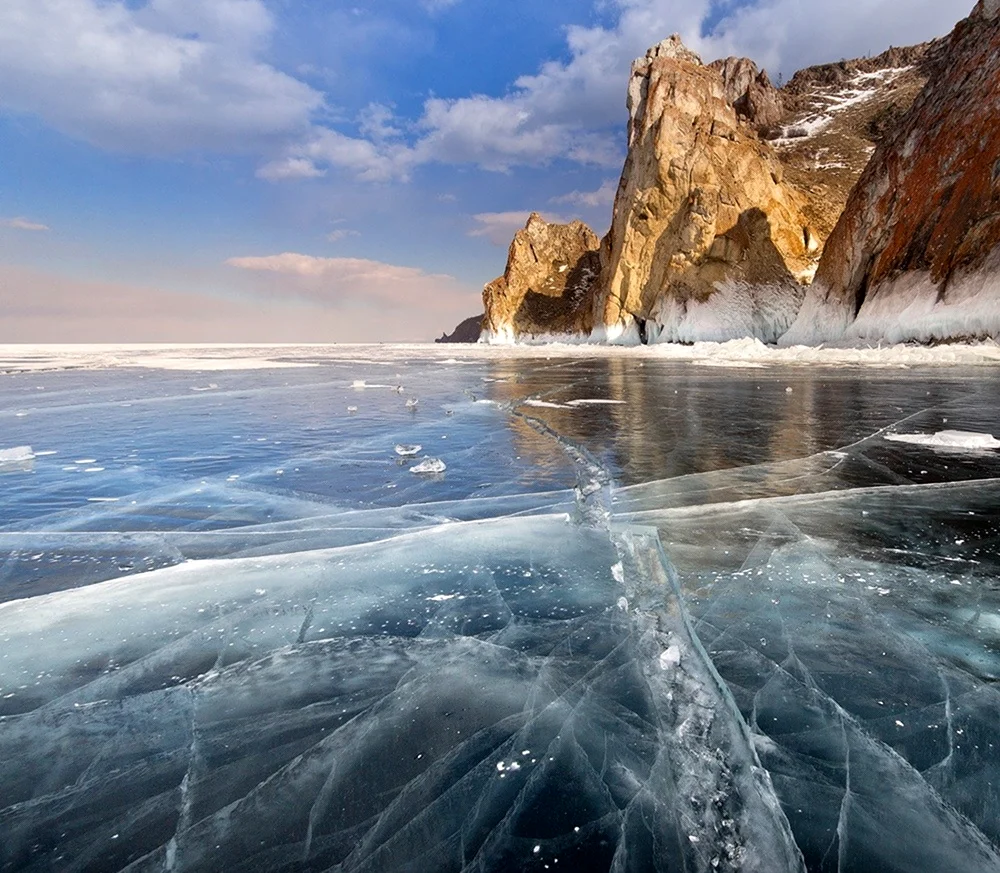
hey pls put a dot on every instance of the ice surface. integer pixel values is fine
(706, 623)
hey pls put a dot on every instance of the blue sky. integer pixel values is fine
(316, 170)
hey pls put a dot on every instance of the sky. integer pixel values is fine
(326, 171)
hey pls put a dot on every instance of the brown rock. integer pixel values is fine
(467, 331)
(750, 92)
(916, 253)
(548, 284)
(701, 211)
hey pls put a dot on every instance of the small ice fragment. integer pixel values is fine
(955, 582)
(899, 723)
(693, 838)
(537, 849)
(670, 657)
(788, 390)
(618, 572)
(86, 461)
(18, 453)
(441, 598)
(411, 403)
(358, 383)
(407, 451)
(429, 465)
(623, 604)
(351, 410)
(93, 470)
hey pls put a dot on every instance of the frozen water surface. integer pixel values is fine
(655, 615)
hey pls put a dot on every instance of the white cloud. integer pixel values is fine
(23, 224)
(351, 282)
(341, 234)
(434, 6)
(47, 307)
(289, 168)
(603, 196)
(786, 35)
(500, 227)
(574, 109)
(171, 76)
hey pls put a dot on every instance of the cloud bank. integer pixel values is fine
(171, 76)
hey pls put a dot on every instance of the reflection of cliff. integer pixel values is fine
(677, 419)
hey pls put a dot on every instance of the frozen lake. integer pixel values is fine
(652, 611)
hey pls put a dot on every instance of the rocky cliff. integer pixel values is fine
(706, 241)
(916, 252)
(466, 331)
(548, 284)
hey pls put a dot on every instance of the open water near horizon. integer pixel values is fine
(650, 616)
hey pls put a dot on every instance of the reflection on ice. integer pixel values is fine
(703, 624)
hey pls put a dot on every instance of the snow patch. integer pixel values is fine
(954, 440)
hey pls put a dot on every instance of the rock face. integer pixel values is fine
(467, 331)
(706, 241)
(750, 92)
(548, 285)
(916, 253)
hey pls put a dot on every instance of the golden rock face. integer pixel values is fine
(548, 284)
(701, 201)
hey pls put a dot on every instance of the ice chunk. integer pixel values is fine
(17, 459)
(18, 453)
(955, 440)
(429, 465)
(412, 402)
(405, 451)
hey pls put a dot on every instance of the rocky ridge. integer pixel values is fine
(916, 253)
(704, 228)
(722, 211)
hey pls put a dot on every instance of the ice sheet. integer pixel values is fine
(717, 621)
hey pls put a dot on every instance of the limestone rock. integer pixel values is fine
(548, 284)
(750, 92)
(701, 207)
(467, 331)
(916, 253)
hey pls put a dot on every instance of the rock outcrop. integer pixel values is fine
(706, 241)
(916, 252)
(548, 284)
(750, 92)
(467, 331)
